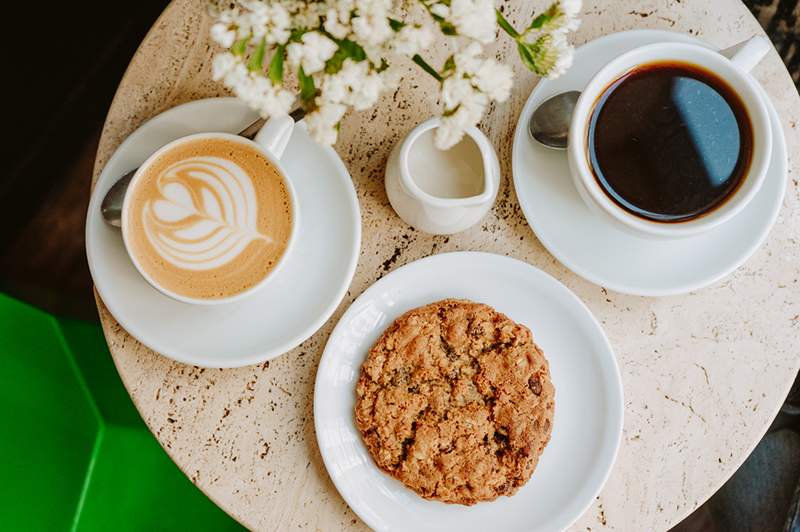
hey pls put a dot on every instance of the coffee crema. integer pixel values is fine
(209, 218)
(669, 141)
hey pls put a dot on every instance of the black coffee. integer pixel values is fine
(669, 141)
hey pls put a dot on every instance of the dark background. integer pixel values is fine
(63, 63)
(63, 66)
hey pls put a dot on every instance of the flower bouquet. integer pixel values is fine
(338, 54)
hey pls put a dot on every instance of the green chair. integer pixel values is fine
(75, 454)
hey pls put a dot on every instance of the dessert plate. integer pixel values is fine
(595, 249)
(588, 403)
(285, 312)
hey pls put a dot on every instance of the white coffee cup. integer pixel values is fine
(270, 141)
(734, 71)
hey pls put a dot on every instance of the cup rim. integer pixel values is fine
(708, 59)
(487, 153)
(281, 260)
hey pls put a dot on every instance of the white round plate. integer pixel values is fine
(591, 246)
(588, 406)
(285, 312)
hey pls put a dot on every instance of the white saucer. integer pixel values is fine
(285, 312)
(596, 250)
(588, 410)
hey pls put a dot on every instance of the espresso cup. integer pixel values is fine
(733, 71)
(230, 197)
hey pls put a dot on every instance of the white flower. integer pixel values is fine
(566, 16)
(563, 62)
(354, 85)
(552, 54)
(391, 77)
(455, 90)
(562, 15)
(304, 14)
(223, 63)
(252, 88)
(474, 19)
(494, 79)
(237, 78)
(223, 34)
(255, 20)
(270, 100)
(570, 8)
(453, 126)
(485, 75)
(371, 23)
(226, 29)
(412, 39)
(371, 29)
(322, 123)
(466, 92)
(447, 134)
(344, 8)
(278, 24)
(376, 54)
(368, 93)
(440, 10)
(467, 60)
(312, 52)
(334, 25)
(464, 107)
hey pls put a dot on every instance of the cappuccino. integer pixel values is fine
(208, 218)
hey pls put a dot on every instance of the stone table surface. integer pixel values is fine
(704, 373)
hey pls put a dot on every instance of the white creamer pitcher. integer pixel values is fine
(442, 191)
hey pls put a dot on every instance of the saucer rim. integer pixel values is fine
(778, 147)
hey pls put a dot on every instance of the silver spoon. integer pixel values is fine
(111, 207)
(549, 123)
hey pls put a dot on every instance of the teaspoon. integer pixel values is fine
(549, 123)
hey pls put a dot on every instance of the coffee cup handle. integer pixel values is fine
(747, 54)
(275, 135)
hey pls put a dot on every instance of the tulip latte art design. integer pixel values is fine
(209, 218)
(206, 214)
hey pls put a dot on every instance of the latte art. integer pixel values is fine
(206, 214)
(208, 218)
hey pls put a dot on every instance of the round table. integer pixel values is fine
(704, 373)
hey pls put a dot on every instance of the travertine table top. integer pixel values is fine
(704, 373)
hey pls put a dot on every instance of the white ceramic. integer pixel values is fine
(434, 214)
(271, 141)
(285, 312)
(587, 425)
(596, 249)
(734, 72)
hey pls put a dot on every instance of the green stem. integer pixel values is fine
(256, 61)
(506, 25)
(396, 25)
(426, 67)
(240, 46)
(307, 89)
(275, 71)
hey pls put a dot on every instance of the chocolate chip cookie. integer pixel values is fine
(455, 401)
